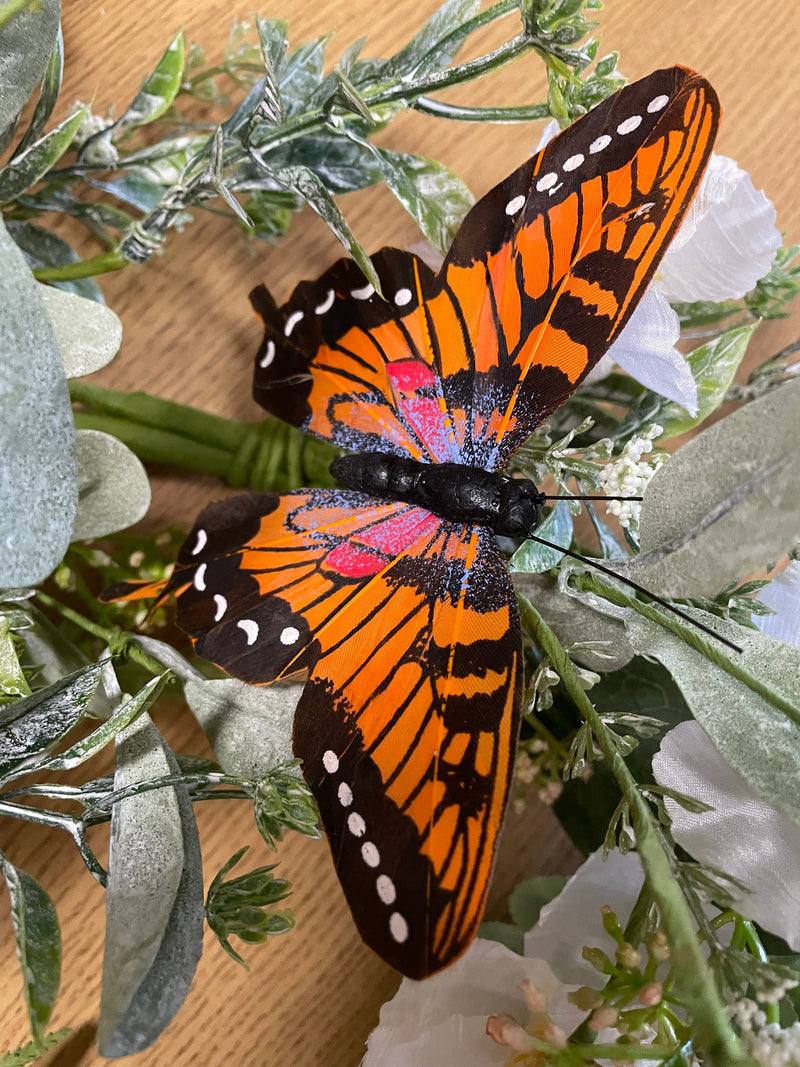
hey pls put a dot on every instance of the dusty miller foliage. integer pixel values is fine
(269, 129)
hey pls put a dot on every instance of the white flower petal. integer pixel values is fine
(783, 596)
(574, 919)
(548, 133)
(442, 1021)
(743, 836)
(726, 242)
(646, 350)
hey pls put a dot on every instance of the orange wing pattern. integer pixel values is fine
(408, 743)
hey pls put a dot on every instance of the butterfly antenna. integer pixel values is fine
(639, 589)
(567, 496)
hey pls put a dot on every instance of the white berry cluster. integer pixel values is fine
(629, 475)
(768, 1043)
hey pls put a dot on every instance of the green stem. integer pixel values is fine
(11, 8)
(712, 652)
(523, 113)
(712, 1032)
(102, 263)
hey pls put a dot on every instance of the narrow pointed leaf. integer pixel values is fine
(160, 89)
(533, 558)
(438, 42)
(25, 170)
(26, 43)
(38, 939)
(48, 95)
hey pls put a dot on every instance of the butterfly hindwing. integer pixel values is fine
(406, 730)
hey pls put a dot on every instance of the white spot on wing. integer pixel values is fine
(268, 356)
(386, 889)
(345, 795)
(402, 297)
(515, 205)
(547, 181)
(370, 854)
(603, 141)
(326, 304)
(363, 294)
(289, 634)
(573, 162)
(222, 606)
(250, 627)
(200, 578)
(356, 824)
(658, 103)
(330, 761)
(200, 544)
(398, 927)
(292, 321)
(629, 125)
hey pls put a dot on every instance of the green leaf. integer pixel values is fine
(38, 486)
(307, 185)
(38, 938)
(533, 558)
(237, 906)
(341, 163)
(726, 503)
(713, 366)
(35, 723)
(13, 682)
(437, 44)
(25, 170)
(301, 74)
(273, 40)
(505, 933)
(757, 739)
(31, 1051)
(154, 898)
(27, 40)
(48, 95)
(114, 490)
(88, 334)
(435, 198)
(159, 91)
(42, 248)
(530, 896)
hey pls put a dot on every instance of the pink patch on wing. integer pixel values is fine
(355, 562)
(394, 535)
(409, 375)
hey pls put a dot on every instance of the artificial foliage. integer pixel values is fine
(607, 672)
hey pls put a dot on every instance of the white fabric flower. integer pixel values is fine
(441, 1022)
(743, 836)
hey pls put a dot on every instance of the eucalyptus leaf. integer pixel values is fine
(26, 41)
(48, 95)
(307, 185)
(726, 503)
(38, 938)
(35, 723)
(154, 898)
(88, 334)
(25, 170)
(757, 739)
(42, 248)
(113, 486)
(38, 485)
(713, 366)
(533, 558)
(430, 192)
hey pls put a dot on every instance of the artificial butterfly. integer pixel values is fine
(395, 599)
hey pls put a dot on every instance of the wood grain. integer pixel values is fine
(312, 997)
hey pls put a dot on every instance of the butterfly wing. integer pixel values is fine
(407, 730)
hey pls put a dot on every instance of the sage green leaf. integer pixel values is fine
(154, 898)
(430, 192)
(13, 682)
(529, 897)
(38, 485)
(248, 727)
(27, 39)
(436, 45)
(113, 485)
(757, 739)
(307, 185)
(38, 938)
(533, 558)
(89, 746)
(713, 366)
(578, 621)
(42, 248)
(36, 723)
(48, 95)
(25, 170)
(726, 503)
(88, 334)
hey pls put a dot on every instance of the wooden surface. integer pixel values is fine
(312, 997)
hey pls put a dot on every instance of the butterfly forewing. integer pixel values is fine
(408, 743)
